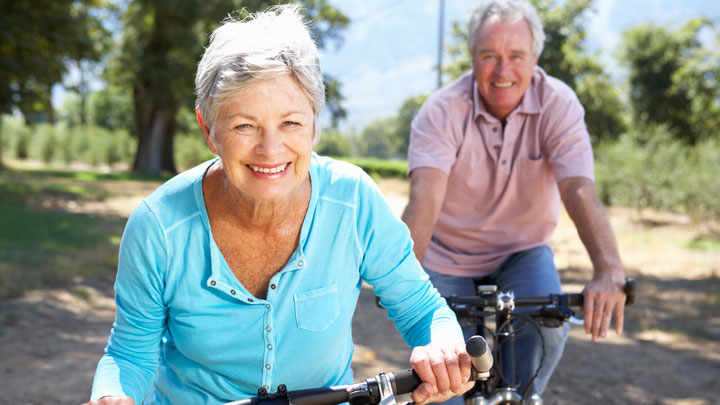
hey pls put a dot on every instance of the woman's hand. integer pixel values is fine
(111, 400)
(444, 369)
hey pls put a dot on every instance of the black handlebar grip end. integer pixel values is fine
(405, 381)
(630, 291)
(479, 351)
(476, 346)
(575, 300)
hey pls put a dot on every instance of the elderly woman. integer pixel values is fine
(244, 272)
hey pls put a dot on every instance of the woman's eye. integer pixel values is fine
(243, 127)
(291, 124)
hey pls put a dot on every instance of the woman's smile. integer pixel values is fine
(269, 171)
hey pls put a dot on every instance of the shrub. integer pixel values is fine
(380, 167)
(655, 170)
(190, 150)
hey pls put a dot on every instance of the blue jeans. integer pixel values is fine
(528, 273)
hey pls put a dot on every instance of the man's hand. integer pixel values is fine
(444, 369)
(112, 400)
(603, 295)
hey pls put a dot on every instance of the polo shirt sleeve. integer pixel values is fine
(132, 354)
(418, 311)
(567, 141)
(433, 140)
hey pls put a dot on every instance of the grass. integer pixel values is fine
(43, 243)
(706, 244)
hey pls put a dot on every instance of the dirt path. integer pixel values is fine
(50, 340)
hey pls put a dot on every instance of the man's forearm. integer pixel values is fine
(593, 226)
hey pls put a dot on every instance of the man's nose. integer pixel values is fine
(502, 65)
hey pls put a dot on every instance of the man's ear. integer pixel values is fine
(206, 131)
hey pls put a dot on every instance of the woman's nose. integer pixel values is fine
(270, 142)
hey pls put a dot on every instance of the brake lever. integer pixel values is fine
(576, 321)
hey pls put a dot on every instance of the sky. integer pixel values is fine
(389, 52)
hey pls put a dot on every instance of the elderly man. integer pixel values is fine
(491, 155)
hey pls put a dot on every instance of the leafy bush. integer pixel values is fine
(190, 149)
(653, 169)
(16, 138)
(380, 167)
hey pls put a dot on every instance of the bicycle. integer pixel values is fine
(488, 302)
(381, 389)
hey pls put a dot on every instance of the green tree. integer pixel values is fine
(333, 143)
(389, 137)
(673, 79)
(407, 112)
(112, 108)
(38, 41)
(162, 43)
(563, 57)
(377, 138)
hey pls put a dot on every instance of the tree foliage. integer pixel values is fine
(37, 40)
(389, 137)
(674, 79)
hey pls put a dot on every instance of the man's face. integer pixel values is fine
(503, 64)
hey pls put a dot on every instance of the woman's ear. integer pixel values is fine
(315, 134)
(206, 131)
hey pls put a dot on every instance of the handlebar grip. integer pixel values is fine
(405, 381)
(575, 300)
(630, 291)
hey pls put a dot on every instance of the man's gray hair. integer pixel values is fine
(265, 45)
(507, 11)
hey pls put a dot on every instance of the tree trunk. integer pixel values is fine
(2, 166)
(49, 110)
(156, 127)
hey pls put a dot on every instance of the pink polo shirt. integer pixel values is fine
(502, 194)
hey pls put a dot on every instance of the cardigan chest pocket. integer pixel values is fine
(317, 309)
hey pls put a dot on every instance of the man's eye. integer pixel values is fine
(243, 127)
(488, 57)
(291, 124)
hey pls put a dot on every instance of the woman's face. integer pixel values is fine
(265, 137)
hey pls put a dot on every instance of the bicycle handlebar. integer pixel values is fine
(571, 300)
(372, 390)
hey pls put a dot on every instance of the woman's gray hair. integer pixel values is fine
(262, 46)
(507, 11)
